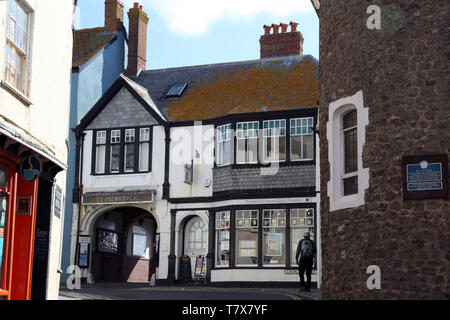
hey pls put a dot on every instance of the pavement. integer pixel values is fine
(143, 291)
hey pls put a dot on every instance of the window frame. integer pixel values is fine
(264, 137)
(301, 134)
(137, 150)
(23, 84)
(228, 138)
(246, 139)
(276, 226)
(220, 226)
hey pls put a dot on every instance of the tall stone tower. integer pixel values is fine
(385, 140)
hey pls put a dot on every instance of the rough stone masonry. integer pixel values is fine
(404, 77)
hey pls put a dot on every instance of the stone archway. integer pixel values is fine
(122, 242)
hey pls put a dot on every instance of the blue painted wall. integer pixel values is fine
(88, 86)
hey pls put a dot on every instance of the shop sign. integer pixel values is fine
(425, 177)
(117, 197)
(30, 168)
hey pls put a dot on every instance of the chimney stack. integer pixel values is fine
(137, 40)
(113, 15)
(281, 44)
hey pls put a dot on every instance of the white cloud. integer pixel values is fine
(194, 17)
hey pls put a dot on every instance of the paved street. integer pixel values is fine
(124, 291)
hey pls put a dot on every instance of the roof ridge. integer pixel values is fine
(90, 29)
(212, 65)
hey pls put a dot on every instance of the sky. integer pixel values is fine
(196, 32)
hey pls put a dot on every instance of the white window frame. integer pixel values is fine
(273, 215)
(267, 133)
(100, 140)
(243, 227)
(247, 134)
(23, 86)
(144, 137)
(337, 110)
(221, 225)
(130, 138)
(301, 134)
(114, 141)
(223, 136)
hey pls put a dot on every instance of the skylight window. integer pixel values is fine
(176, 90)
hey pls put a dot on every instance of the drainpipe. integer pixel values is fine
(78, 187)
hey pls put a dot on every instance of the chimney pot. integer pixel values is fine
(284, 27)
(267, 29)
(275, 28)
(293, 26)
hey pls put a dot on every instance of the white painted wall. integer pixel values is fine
(46, 120)
(186, 142)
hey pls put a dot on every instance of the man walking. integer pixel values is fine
(306, 249)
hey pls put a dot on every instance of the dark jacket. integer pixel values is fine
(299, 248)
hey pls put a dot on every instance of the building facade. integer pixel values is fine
(35, 51)
(384, 131)
(203, 173)
(99, 57)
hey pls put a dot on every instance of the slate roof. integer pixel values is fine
(269, 84)
(87, 42)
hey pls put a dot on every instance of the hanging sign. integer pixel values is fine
(425, 177)
(30, 168)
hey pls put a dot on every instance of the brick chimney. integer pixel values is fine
(137, 40)
(113, 15)
(282, 43)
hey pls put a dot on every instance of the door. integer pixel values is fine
(196, 240)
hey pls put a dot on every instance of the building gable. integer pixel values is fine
(122, 111)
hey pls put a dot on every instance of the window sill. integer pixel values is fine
(16, 93)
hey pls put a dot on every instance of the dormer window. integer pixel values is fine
(176, 90)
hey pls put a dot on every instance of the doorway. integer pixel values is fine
(195, 240)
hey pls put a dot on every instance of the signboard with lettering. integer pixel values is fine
(118, 197)
(425, 177)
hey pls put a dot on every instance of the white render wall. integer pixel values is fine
(46, 121)
(187, 144)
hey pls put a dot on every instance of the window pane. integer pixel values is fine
(350, 119)
(129, 135)
(144, 134)
(100, 159)
(115, 158)
(351, 186)
(351, 150)
(246, 247)
(3, 172)
(296, 147)
(241, 151)
(144, 156)
(252, 150)
(2, 229)
(129, 157)
(274, 246)
(308, 147)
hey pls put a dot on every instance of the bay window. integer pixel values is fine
(274, 140)
(223, 239)
(302, 139)
(247, 222)
(223, 145)
(247, 142)
(17, 46)
(274, 237)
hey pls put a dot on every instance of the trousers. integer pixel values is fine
(305, 265)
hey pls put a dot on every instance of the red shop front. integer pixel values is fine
(18, 199)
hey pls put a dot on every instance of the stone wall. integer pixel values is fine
(403, 72)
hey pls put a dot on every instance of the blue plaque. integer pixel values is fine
(424, 176)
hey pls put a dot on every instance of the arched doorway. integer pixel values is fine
(123, 248)
(195, 240)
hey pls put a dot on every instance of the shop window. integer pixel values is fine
(17, 46)
(302, 220)
(223, 239)
(108, 241)
(140, 247)
(302, 139)
(247, 223)
(247, 142)
(274, 143)
(274, 237)
(223, 156)
(100, 152)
